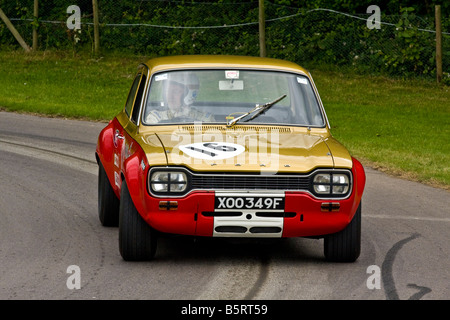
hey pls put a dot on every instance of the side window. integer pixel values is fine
(131, 95)
(137, 101)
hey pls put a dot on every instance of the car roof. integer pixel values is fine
(221, 61)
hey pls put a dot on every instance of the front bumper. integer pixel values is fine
(302, 213)
(302, 216)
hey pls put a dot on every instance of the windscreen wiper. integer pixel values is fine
(259, 109)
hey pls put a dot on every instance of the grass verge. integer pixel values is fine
(398, 126)
(61, 84)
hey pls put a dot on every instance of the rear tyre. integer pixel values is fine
(345, 245)
(137, 240)
(108, 203)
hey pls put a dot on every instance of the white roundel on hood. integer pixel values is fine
(212, 150)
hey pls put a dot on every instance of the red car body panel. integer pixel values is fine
(124, 158)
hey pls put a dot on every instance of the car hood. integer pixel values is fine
(262, 151)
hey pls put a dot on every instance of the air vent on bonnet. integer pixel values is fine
(235, 128)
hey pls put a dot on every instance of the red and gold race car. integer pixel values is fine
(226, 146)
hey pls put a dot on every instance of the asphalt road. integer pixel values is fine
(49, 223)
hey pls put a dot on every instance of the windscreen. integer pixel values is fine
(232, 97)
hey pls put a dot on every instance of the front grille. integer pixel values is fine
(249, 182)
(237, 229)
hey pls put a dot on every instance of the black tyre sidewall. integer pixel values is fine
(137, 240)
(345, 245)
(108, 203)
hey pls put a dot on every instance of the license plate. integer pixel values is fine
(250, 203)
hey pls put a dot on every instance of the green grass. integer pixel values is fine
(400, 126)
(61, 84)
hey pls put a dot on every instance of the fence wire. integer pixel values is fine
(403, 46)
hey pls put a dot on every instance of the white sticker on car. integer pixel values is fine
(232, 74)
(117, 179)
(302, 80)
(116, 160)
(212, 150)
(161, 77)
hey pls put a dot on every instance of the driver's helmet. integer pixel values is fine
(190, 83)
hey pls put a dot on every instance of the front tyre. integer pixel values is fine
(108, 203)
(345, 245)
(137, 240)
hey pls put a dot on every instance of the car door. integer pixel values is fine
(126, 127)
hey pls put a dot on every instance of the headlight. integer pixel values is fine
(168, 181)
(340, 184)
(322, 183)
(331, 184)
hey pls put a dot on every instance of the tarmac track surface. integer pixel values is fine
(49, 222)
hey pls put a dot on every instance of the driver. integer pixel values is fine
(179, 93)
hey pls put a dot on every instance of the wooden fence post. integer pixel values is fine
(438, 44)
(14, 31)
(96, 27)
(262, 30)
(36, 15)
